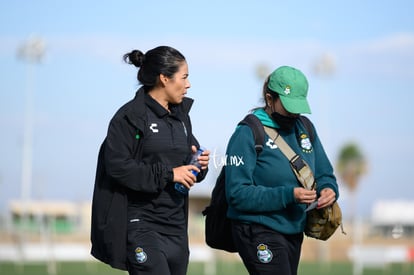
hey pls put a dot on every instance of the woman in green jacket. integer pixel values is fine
(266, 202)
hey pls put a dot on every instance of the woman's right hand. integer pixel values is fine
(303, 195)
(183, 174)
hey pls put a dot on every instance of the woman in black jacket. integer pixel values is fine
(139, 219)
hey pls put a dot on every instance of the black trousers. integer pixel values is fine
(265, 251)
(153, 253)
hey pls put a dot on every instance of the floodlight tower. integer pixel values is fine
(31, 52)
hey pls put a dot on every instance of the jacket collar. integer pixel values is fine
(141, 100)
(155, 106)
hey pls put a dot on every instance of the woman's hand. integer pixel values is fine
(203, 159)
(303, 195)
(327, 198)
(183, 175)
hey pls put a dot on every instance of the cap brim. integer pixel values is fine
(295, 105)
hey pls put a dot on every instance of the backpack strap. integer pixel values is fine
(308, 126)
(258, 131)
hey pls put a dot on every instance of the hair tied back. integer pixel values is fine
(136, 58)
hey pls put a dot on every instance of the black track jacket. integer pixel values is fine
(121, 170)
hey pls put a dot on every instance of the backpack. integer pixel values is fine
(218, 233)
(217, 226)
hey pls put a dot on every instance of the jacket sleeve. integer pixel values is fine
(121, 143)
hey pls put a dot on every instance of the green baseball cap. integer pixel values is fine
(292, 87)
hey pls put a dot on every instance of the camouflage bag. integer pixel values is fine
(320, 223)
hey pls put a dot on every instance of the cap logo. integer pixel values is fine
(287, 90)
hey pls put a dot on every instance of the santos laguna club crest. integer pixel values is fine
(263, 254)
(140, 255)
(305, 143)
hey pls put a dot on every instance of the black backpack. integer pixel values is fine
(217, 226)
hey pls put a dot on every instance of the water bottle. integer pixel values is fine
(194, 161)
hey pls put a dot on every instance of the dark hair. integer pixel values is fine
(265, 91)
(160, 60)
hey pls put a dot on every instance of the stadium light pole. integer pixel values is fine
(32, 53)
(325, 68)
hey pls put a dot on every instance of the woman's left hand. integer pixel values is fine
(203, 159)
(327, 197)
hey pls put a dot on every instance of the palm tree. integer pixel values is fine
(351, 165)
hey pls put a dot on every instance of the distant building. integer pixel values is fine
(56, 216)
(393, 218)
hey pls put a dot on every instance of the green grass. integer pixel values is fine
(221, 268)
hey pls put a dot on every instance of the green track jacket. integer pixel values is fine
(259, 188)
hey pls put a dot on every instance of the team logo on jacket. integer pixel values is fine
(305, 143)
(264, 254)
(140, 255)
(271, 144)
(153, 127)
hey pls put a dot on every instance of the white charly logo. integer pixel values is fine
(270, 143)
(153, 127)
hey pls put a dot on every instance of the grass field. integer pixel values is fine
(221, 268)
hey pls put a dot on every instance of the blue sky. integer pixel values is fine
(82, 80)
